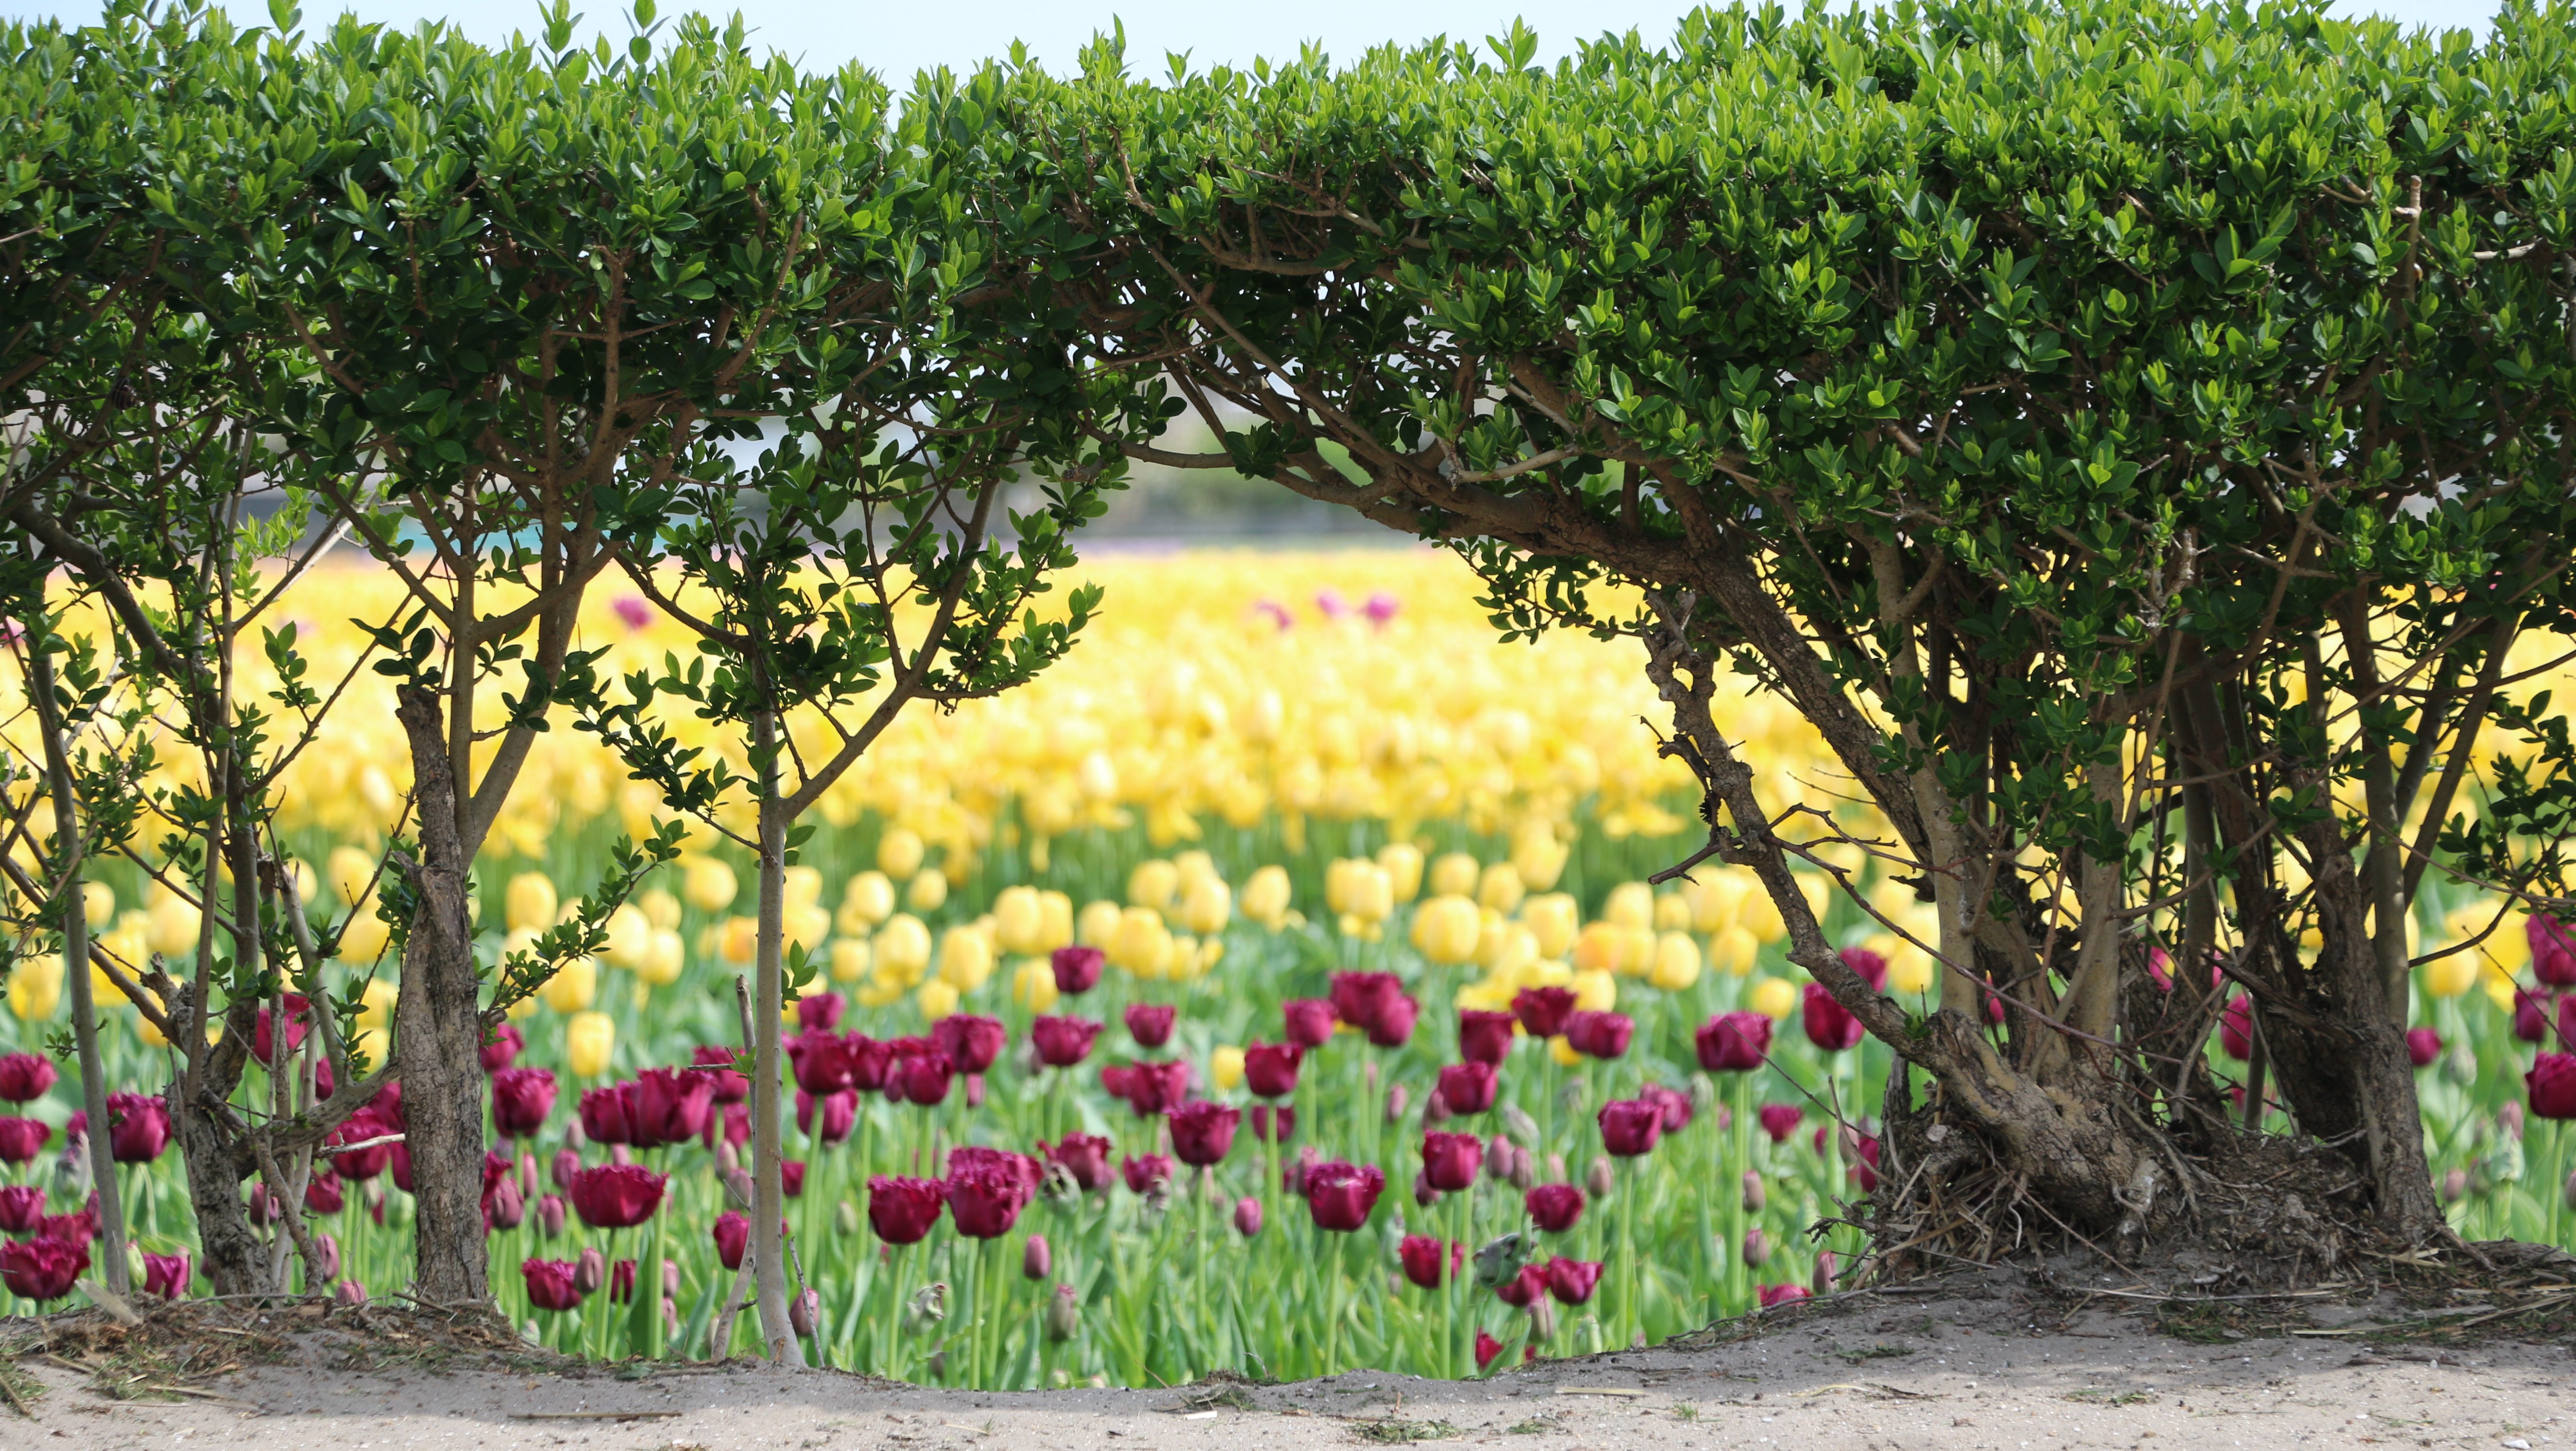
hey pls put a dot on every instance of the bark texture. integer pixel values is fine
(438, 1032)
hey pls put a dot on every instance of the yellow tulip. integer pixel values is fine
(1265, 897)
(98, 903)
(1367, 890)
(377, 998)
(965, 959)
(1019, 920)
(937, 999)
(574, 986)
(1195, 866)
(1539, 858)
(927, 892)
(1403, 864)
(522, 1010)
(801, 886)
(880, 991)
(664, 959)
(590, 1039)
(899, 853)
(36, 988)
(1454, 875)
(1672, 912)
(708, 884)
(660, 909)
(1056, 918)
(1553, 919)
(1774, 998)
(1033, 985)
(868, 900)
(902, 949)
(1141, 945)
(1446, 927)
(1600, 947)
(804, 925)
(630, 938)
(1225, 1068)
(1098, 924)
(2449, 977)
(1563, 1052)
(371, 1045)
(174, 927)
(1595, 992)
(1713, 894)
(529, 903)
(1504, 948)
(1909, 968)
(1630, 904)
(2500, 985)
(1206, 905)
(1153, 884)
(850, 960)
(1734, 950)
(1759, 916)
(350, 870)
(738, 940)
(365, 938)
(1500, 889)
(1676, 962)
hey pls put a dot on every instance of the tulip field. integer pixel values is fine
(1272, 987)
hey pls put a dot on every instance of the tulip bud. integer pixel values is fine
(1247, 1216)
(1704, 1100)
(974, 1090)
(2455, 1186)
(2567, 1191)
(326, 1259)
(507, 1208)
(670, 1314)
(1757, 1249)
(1368, 1074)
(527, 1177)
(1035, 1259)
(738, 1188)
(845, 1217)
(1542, 1313)
(1498, 1159)
(1823, 1280)
(620, 1155)
(1524, 1173)
(574, 1138)
(727, 1161)
(2509, 1117)
(1064, 1314)
(1396, 1101)
(590, 1271)
(1754, 1195)
(1435, 1109)
(670, 1277)
(550, 1215)
(71, 1171)
(1423, 1193)
(1599, 1178)
(567, 1164)
(1556, 1168)
(350, 1292)
(803, 1312)
(1519, 1124)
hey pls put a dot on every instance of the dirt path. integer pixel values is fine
(1889, 1376)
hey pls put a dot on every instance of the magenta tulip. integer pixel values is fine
(1341, 1195)
(2423, 1045)
(22, 1139)
(1485, 1037)
(617, 1196)
(1829, 1025)
(987, 1189)
(1077, 969)
(1630, 1127)
(138, 1127)
(1423, 1259)
(1599, 1035)
(1543, 1010)
(2552, 1086)
(1572, 1281)
(1270, 1069)
(820, 1011)
(840, 1113)
(1555, 1208)
(1450, 1161)
(551, 1284)
(924, 1077)
(25, 1077)
(166, 1275)
(1203, 1132)
(521, 1100)
(1084, 1156)
(1145, 1173)
(22, 1208)
(503, 1050)
(901, 1211)
(1467, 1087)
(41, 1269)
(1306, 1022)
(1150, 1024)
(971, 1042)
(1734, 1042)
(717, 1065)
(1063, 1042)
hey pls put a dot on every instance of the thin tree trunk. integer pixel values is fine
(67, 864)
(438, 1032)
(768, 1195)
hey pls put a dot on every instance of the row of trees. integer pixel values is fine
(2136, 436)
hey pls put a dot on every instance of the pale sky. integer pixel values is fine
(900, 39)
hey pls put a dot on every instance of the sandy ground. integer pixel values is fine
(1879, 1376)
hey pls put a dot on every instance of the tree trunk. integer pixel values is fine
(438, 1032)
(230, 1254)
(769, 1192)
(75, 908)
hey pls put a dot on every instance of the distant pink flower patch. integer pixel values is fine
(632, 610)
(1380, 608)
(1334, 605)
(1276, 613)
